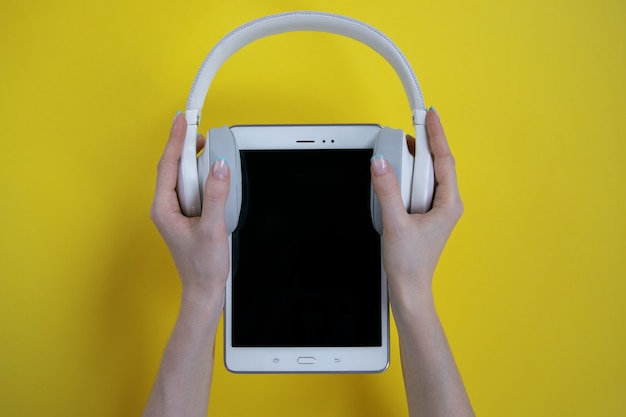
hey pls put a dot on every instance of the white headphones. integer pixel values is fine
(190, 187)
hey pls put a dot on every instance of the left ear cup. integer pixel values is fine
(221, 144)
(187, 187)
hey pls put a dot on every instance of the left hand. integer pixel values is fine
(199, 245)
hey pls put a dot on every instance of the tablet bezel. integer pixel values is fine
(306, 359)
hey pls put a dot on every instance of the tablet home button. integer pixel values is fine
(306, 360)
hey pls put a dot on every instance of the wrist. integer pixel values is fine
(410, 301)
(204, 305)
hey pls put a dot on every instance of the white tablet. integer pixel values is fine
(307, 292)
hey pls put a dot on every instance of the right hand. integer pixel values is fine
(413, 243)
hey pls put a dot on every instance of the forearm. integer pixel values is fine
(432, 381)
(184, 379)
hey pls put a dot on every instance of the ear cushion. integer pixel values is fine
(221, 144)
(391, 144)
(187, 187)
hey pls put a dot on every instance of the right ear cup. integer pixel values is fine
(423, 183)
(391, 144)
(187, 189)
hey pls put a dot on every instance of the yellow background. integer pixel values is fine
(530, 289)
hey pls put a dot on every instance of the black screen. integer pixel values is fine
(306, 258)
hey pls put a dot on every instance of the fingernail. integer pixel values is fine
(220, 169)
(432, 108)
(178, 113)
(379, 164)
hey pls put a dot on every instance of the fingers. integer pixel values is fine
(168, 164)
(446, 191)
(410, 141)
(165, 198)
(215, 195)
(388, 192)
(200, 142)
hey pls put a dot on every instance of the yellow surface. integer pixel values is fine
(530, 289)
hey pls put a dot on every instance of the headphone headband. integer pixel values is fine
(303, 21)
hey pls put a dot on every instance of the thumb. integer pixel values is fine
(388, 191)
(215, 193)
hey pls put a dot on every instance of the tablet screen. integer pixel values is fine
(306, 258)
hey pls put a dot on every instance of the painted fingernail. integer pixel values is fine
(220, 169)
(432, 108)
(379, 164)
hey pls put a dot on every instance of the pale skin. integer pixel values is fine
(412, 245)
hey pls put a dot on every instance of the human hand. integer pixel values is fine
(412, 243)
(199, 245)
